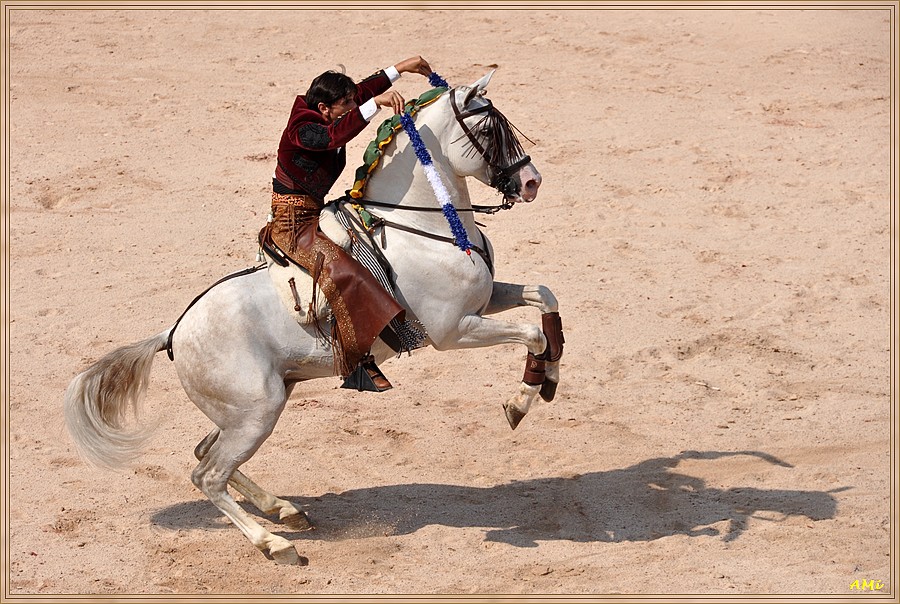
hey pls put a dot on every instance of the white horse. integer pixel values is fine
(239, 352)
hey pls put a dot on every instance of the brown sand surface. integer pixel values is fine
(715, 219)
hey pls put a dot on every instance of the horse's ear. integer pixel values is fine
(478, 87)
(483, 82)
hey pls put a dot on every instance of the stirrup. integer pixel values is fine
(367, 377)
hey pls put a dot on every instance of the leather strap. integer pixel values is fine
(461, 116)
(241, 273)
(534, 370)
(265, 242)
(475, 208)
(553, 331)
(480, 251)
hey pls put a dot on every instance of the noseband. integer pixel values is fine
(505, 144)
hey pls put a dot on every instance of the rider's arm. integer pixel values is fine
(372, 87)
(368, 105)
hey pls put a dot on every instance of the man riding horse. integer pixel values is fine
(311, 156)
(239, 351)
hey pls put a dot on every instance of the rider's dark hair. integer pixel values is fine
(329, 88)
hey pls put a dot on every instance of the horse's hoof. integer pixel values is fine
(296, 520)
(548, 390)
(513, 415)
(287, 556)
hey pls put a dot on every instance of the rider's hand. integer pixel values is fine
(414, 65)
(391, 99)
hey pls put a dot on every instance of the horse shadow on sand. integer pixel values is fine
(643, 502)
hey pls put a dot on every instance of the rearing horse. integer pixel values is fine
(239, 352)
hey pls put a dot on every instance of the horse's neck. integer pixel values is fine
(400, 178)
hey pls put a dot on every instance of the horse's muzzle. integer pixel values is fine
(529, 180)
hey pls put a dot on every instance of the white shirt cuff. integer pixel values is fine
(369, 109)
(392, 73)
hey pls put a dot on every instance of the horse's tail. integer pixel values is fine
(98, 399)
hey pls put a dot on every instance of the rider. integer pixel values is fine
(311, 156)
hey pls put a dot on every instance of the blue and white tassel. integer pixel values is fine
(434, 178)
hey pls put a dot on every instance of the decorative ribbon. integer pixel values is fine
(437, 81)
(434, 178)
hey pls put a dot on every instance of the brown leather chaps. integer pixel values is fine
(362, 308)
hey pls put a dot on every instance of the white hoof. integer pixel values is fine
(286, 554)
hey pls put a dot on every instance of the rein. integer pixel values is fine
(475, 208)
(478, 250)
(378, 221)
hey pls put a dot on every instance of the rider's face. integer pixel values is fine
(338, 108)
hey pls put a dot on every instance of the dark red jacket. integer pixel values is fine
(311, 153)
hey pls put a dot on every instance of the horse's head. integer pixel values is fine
(484, 145)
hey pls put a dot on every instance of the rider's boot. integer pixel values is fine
(367, 377)
(378, 378)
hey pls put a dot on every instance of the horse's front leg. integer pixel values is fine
(475, 332)
(505, 296)
(509, 295)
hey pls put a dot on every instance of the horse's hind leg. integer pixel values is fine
(228, 450)
(264, 501)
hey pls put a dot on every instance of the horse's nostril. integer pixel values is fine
(530, 189)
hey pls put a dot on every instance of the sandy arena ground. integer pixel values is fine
(715, 219)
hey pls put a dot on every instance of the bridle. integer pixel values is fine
(505, 145)
(501, 175)
(504, 141)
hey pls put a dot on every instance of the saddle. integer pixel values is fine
(298, 289)
(294, 285)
